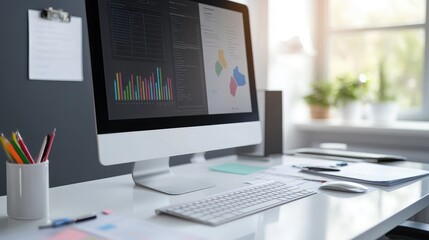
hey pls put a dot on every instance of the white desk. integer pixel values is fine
(327, 215)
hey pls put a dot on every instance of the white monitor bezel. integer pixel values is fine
(130, 140)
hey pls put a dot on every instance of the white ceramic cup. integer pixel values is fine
(27, 190)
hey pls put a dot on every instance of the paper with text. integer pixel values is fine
(55, 48)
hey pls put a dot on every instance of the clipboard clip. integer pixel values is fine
(55, 14)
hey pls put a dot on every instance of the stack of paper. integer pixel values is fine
(374, 173)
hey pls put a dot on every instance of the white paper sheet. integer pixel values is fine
(55, 48)
(122, 228)
(114, 227)
(370, 173)
(375, 174)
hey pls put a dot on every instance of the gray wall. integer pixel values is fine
(36, 107)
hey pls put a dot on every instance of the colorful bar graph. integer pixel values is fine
(140, 88)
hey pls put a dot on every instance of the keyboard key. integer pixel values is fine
(229, 206)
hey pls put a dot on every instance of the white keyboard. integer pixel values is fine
(228, 206)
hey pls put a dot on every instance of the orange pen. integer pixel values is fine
(18, 149)
(11, 150)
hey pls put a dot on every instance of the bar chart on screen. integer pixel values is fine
(151, 87)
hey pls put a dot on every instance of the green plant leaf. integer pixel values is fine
(322, 94)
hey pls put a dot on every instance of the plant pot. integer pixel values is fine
(352, 111)
(384, 112)
(319, 112)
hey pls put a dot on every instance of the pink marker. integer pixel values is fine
(107, 211)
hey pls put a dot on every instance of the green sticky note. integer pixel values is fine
(236, 168)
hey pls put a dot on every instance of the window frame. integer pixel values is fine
(324, 32)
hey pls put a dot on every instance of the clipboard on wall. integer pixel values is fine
(55, 14)
(54, 45)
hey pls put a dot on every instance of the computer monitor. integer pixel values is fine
(170, 78)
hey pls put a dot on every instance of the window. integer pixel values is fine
(362, 35)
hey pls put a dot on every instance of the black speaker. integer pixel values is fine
(270, 115)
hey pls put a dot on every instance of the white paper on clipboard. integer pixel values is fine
(55, 48)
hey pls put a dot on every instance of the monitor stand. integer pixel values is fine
(155, 174)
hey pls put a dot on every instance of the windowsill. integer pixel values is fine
(411, 128)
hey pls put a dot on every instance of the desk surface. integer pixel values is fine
(326, 215)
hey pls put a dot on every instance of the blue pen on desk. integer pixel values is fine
(66, 221)
(341, 164)
(62, 222)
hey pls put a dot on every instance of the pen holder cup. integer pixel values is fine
(27, 190)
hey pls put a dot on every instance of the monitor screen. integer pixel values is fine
(170, 78)
(169, 64)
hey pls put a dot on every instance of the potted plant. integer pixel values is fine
(350, 91)
(384, 108)
(320, 100)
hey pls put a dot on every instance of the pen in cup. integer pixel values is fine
(50, 140)
(24, 147)
(42, 148)
(10, 150)
(6, 151)
(18, 149)
(17, 152)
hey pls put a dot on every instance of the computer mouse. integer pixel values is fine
(344, 186)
